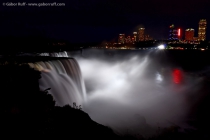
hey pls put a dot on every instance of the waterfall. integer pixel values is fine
(64, 78)
(56, 54)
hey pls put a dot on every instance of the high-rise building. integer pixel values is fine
(141, 34)
(202, 30)
(135, 36)
(133, 40)
(189, 34)
(179, 34)
(121, 38)
(128, 39)
(147, 38)
(173, 33)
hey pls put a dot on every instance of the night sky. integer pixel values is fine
(102, 20)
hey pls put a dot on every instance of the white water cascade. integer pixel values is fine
(56, 54)
(64, 78)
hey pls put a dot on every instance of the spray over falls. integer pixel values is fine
(122, 92)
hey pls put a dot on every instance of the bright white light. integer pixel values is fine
(161, 47)
(159, 78)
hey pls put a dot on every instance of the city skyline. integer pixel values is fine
(97, 21)
(174, 34)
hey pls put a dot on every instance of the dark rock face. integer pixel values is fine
(27, 112)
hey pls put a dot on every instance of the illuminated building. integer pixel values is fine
(121, 38)
(189, 34)
(135, 36)
(147, 38)
(133, 40)
(179, 33)
(195, 38)
(128, 39)
(141, 34)
(173, 33)
(202, 30)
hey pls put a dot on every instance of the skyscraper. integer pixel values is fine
(121, 38)
(147, 38)
(135, 36)
(128, 39)
(179, 35)
(189, 34)
(141, 34)
(202, 30)
(173, 33)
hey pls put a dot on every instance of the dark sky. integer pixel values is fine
(100, 20)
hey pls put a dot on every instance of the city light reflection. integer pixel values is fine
(177, 76)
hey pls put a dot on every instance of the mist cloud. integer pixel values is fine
(135, 91)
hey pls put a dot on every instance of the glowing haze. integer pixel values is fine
(134, 92)
(130, 92)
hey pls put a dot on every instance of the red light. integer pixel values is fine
(177, 76)
(179, 32)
